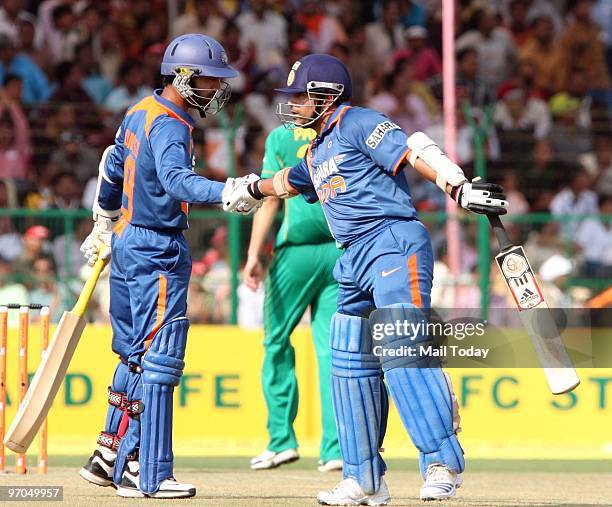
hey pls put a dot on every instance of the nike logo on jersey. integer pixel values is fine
(385, 274)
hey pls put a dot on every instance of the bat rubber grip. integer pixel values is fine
(500, 232)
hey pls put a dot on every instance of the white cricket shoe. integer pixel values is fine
(440, 483)
(99, 468)
(270, 459)
(349, 492)
(169, 488)
(333, 465)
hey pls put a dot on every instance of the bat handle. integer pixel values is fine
(500, 232)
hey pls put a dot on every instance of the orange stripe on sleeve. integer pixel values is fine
(403, 158)
(161, 305)
(413, 272)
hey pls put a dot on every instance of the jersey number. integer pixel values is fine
(331, 188)
(129, 174)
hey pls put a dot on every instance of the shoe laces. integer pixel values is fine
(342, 486)
(437, 473)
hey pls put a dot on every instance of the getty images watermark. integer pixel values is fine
(410, 337)
(458, 337)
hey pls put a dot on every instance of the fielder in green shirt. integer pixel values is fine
(300, 275)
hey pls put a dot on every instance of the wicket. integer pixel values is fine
(22, 376)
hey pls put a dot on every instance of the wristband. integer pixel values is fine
(253, 189)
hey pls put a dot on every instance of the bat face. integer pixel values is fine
(537, 319)
(45, 384)
(520, 278)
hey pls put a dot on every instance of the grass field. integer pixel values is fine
(227, 481)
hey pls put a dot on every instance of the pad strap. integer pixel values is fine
(109, 440)
(116, 399)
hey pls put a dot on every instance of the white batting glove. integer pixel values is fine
(98, 243)
(483, 198)
(236, 196)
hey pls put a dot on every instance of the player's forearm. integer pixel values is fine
(429, 161)
(278, 186)
(262, 222)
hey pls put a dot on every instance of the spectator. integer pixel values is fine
(601, 162)
(397, 102)
(496, 50)
(131, 90)
(413, 14)
(553, 273)
(26, 42)
(44, 287)
(478, 92)
(569, 139)
(266, 32)
(518, 25)
(362, 65)
(203, 18)
(76, 157)
(15, 145)
(320, 29)
(10, 290)
(537, 9)
(33, 246)
(58, 38)
(602, 15)
(425, 60)
(385, 36)
(517, 204)
(524, 77)
(108, 51)
(66, 191)
(96, 85)
(36, 87)
(69, 76)
(576, 199)
(10, 240)
(11, 14)
(544, 243)
(68, 256)
(595, 239)
(523, 125)
(543, 52)
(151, 63)
(581, 48)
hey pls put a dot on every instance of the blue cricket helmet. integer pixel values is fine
(196, 55)
(318, 72)
(199, 53)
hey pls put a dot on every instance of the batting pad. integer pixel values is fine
(119, 385)
(162, 369)
(424, 402)
(360, 400)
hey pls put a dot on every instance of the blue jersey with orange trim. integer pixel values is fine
(353, 169)
(149, 172)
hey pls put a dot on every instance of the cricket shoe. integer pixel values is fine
(349, 492)
(270, 459)
(440, 483)
(99, 467)
(333, 465)
(169, 488)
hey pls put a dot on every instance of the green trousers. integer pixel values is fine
(299, 276)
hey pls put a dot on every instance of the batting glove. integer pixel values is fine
(483, 198)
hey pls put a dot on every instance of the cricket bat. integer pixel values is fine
(52, 370)
(534, 312)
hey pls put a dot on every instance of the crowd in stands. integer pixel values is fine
(533, 82)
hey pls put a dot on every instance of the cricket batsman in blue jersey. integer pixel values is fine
(145, 184)
(354, 168)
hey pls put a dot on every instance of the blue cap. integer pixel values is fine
(200, 53)
(317, 72)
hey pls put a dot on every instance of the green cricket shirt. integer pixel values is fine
(303, 223)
